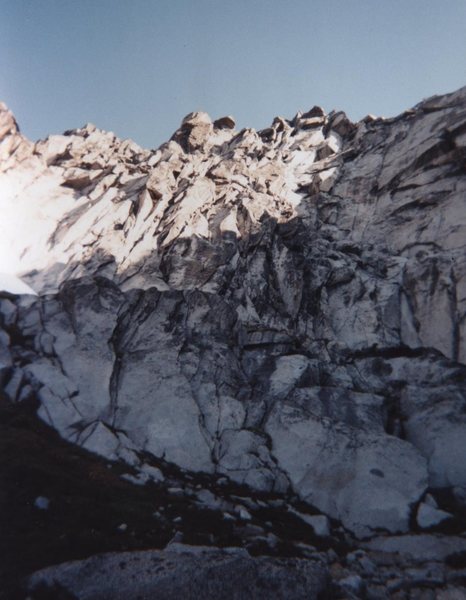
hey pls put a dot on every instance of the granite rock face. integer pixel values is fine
(284, 307)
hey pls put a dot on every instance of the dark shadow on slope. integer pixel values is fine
(93, 510)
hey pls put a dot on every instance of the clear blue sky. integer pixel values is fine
(136, 67)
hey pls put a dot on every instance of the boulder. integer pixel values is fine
(183, 572)
(368, 481)
(224, 123)
(428, 516)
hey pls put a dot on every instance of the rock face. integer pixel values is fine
(284, 307)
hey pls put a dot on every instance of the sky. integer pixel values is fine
(136, 67)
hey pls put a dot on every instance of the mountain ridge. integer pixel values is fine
(284, 308)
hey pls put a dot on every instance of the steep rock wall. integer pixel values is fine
(285, 307)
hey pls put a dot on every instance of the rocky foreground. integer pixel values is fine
(261, 333)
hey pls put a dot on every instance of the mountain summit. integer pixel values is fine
(284, 309)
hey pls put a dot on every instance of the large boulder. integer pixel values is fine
(366, 480)
(184, 572)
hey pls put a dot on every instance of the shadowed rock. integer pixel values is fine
(185, 573)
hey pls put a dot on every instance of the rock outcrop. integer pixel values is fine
(285, 308)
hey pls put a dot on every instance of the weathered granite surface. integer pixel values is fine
(284, 307)
(186, 572)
